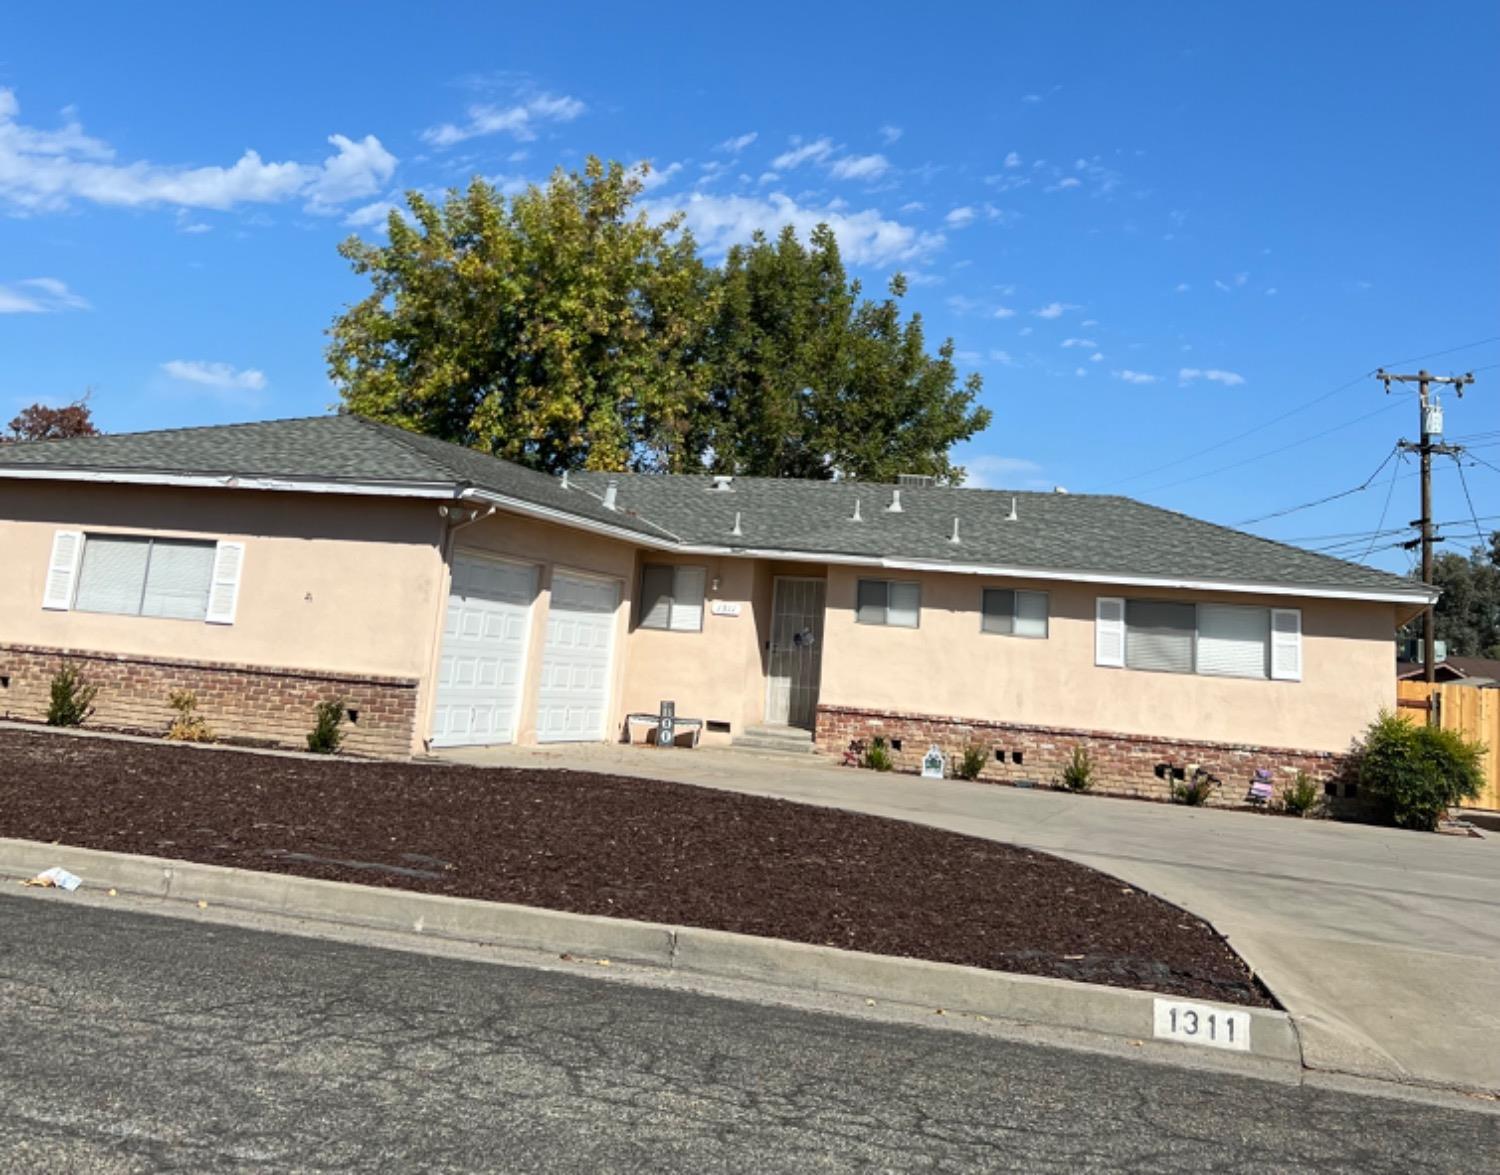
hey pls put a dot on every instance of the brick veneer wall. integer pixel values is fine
(1124, 764)
(239, 702)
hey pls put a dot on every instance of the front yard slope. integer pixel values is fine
(626, 848)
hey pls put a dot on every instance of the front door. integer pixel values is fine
(795, 664)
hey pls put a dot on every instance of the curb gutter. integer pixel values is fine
(1266, 1038)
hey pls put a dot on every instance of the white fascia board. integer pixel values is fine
(576, 521)
(229, 481)
(1418, 598)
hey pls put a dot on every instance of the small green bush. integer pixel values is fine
(1416, 773)
(970, 763)
(877, 755)
(326, 737)
(1078, 771)
(1303, 797)
(1195, 792)
(72, 702)
(189, 726)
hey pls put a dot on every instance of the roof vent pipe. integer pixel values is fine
(737, 530)
(1059, 489)
(855, 517)
(722, 483)
(1011, 517)
(611, 491)
(954, 538)
(895, 506)
(565, 480)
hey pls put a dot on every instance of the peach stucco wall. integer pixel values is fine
(337, 584)
(948, 667)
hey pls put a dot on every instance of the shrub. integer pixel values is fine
(326, 737)
(1303, 797)
(189, 726)
(877, 756)
(1078, 771)
(72, 701)
(1416, 773)
(1195, 792)
(970, 763)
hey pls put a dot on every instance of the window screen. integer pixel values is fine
(894, 603)
(1159, 635)
(1233, 642)
(1014, 613)
(130, 575)
(672, 597)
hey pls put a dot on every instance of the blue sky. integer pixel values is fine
(1152, 228)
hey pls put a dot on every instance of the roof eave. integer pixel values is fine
(236, 481)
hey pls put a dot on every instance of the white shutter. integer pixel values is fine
(224, 592)
(905, 605)
(687, 599)
(1109, 631)
(1233, 641)
(1286, 644)
(62, 569)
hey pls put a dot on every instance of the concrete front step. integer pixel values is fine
(787, 740)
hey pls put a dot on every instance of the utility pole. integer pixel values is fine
(1431, 425)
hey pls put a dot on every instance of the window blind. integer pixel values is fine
(1159, 635)
(1233, 641)
(178, 576)
(113, 575)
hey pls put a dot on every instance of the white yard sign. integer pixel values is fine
(1205, 1024)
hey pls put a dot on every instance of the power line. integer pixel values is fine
(1384, 510)
(1320, 501)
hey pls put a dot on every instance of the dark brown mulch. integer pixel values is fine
(628, 848)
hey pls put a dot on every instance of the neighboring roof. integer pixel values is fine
(1058, 536)
(1470, 670)
(1413, 671)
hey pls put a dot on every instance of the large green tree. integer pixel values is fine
(558, 329)
(809, 380)
(1468, 611)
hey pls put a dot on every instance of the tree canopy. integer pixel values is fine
(564, 328)
(42, 422)
(1468, 611)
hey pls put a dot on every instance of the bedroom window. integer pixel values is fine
(1014, 613)
(144, 575)
(672, 597)
(1215, 640)
(894, 603)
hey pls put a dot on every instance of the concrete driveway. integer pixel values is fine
(1383, 945)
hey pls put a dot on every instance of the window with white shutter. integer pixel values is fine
(1286, 644)
(672, 597)
(1014, 613)
(895, 603)
(1109, 631)
(141, 575)
(1233, 641)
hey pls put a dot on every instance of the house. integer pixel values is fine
(1476, 671)
(450, 598)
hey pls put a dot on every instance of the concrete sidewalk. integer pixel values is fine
(1383, 945)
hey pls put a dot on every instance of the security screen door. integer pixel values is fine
(795, 663)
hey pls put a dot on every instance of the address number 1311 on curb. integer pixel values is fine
(1203, 1024)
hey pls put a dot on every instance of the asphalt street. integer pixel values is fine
(137, 1043)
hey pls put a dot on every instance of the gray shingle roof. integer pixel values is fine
(1091, 535)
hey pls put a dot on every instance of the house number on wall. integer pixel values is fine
(1203, 1024)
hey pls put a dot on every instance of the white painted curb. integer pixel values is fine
(1023, 999)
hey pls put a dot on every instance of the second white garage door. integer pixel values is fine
(573, 699)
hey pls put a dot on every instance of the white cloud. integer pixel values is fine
(1004, 312)
(520, 121)
(1054, 309)
(914, 206)
(1183, 287)
(1024, 331)
(890, 134)
(865, 237)
(737, 144)
(221, 377)
(987, 472)
(1080, 371)
(859, 167)
(917, 277)
(1230, 379)
(1063, 184)
(39, 295)
(1089, 343)
(370, 215)
(1089, 322)
(655, 177)
(1134, 377)
(1013, 159)
(1031, 99)
(800, 153)
(46, 170)
(1001, 357)
(1270, 290)
(1097, 357)
(960, 217)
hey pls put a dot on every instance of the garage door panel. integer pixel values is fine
(482, 663)
(573, 697)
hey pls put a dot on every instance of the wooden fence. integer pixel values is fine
(1474, 713)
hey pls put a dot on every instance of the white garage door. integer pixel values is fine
(573, 701)
(483, 662)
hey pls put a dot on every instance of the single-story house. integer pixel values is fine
(450, 598)
(1483, 672)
